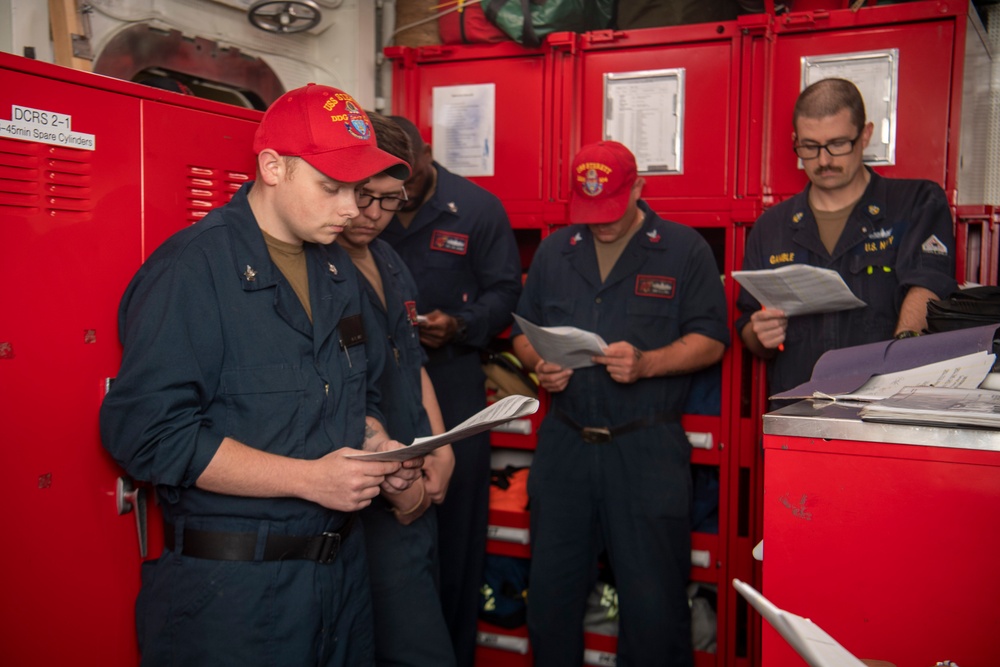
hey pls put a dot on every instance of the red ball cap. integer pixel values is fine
(602, 179)
(329, 130)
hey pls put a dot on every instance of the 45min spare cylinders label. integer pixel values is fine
(47, 127)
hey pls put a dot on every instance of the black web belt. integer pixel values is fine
(597, 435)
(220, 545)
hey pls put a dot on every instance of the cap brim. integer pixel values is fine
(357, 163)
(590, 211)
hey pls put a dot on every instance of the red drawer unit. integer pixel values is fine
(884, 535)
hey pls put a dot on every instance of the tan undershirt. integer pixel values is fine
(608, 253)
(364, 261)
(831, 224)
(291, 261)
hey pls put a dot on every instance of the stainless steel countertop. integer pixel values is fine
(825, 419)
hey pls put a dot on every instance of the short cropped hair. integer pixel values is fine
(391, 138)
(412, 132)
(828, 97)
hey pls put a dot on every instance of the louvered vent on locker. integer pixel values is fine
(37, 178)
(209, 188)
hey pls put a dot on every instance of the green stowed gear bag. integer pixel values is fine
(529, 21)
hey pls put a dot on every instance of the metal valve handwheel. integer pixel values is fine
(284, 16)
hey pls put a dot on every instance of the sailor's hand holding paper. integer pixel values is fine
(769, 326)
(552, 377)
(624, 362)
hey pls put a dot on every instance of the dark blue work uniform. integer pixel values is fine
(217, 344)
(632, 493)
(403, 562)
(899, 235)
(462, 252)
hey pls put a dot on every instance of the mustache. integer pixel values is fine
(829, 170)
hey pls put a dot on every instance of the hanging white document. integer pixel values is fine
(567, 346)
(799, 289)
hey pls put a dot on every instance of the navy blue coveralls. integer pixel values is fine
(631, 495)
(403, 561)
(899, 235)
(462, 252)
(217, 344)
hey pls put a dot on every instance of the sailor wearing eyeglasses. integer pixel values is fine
(891, 240)
(457, 241)
(400, 531)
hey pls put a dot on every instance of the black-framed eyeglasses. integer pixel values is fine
(388, 204)
(835, 148)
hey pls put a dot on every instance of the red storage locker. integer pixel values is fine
(194, 160)
(83, 201)
(698, 67)
(523, 123)
(71, 242)
(924, 42)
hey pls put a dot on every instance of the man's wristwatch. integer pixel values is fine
(907, 334)
(461, 330)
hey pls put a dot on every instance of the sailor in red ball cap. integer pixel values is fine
(611, 470)
(247, 376)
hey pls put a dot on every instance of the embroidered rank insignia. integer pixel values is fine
(443, 241)
(934, 246)
(653, 236)
(879, 234)
(576, 239)
(250, 274)
(873, 209)
(656, 286)
(411, 311)
(797, 217)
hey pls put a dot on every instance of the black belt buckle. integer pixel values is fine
(329, 547)
(596, 435)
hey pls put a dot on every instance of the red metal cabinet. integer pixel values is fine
(523, 119)
(886, 544)
(76, 225)
(194, 160)
(70, 243)
(930, 39)
(709, 57)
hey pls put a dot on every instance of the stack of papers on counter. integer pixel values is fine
(937, 406)
(966, 372)
(947, 357)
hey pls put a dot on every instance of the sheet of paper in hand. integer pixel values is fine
(568, 347)
(501, 412)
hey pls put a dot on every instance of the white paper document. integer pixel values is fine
(799, 289)
(966, 372)
(938, 407)
(567, 346)
(809, 640)
(504, 410)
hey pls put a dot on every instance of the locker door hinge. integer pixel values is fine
(604, 36)
(805, 19)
